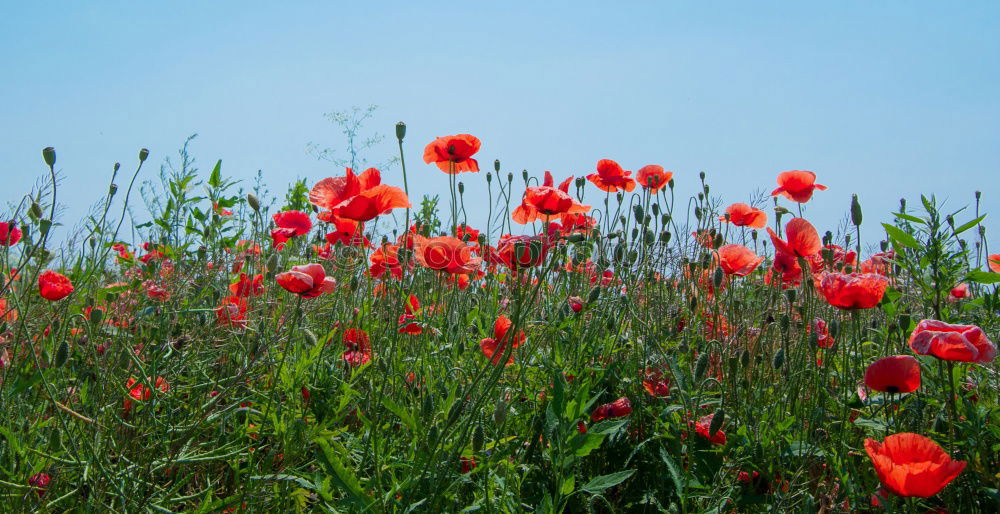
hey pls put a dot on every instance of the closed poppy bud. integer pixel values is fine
(524, 175)
(44, 226)
(489, 177)
(143, 153)
(575, 303)
(790, 295)
(718, 276)
(478, 438)
(855, 211)
(745, 358)
(717, 419)
(693, 303)
(670, 184)
(427, 407)
(697, 212)
(461, 188)
(253, 201)
(903, 320)
(779, 358)
(496, 165)
(36, 210)
(49, 154)
(510, 177)
(639, 214)
(701, 366)
(400, 130)
(595, 293)
(665, 236)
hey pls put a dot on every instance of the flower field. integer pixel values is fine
(345, 347)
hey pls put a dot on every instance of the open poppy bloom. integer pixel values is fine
(994, 262)
(359, 348)
(386, 260)
(522, 251)
(655, 384)
(616, 409)
(541, 203)
(308, 281)
(802, 240)
(823, 337)
(653, 178)
(966, 343)
(9, 234)
(797, 185)
(853, 291)
(464, 230)
(959, 292)
(576, 223)
(702, 427)
(912, 465)
(138, 391)
(248, 287)
(406, 323)
(356, 197)
(445, 253)
(289, 224)
(348, 232)
(743, 215)
(880, 263)
(232, 311)
(611, 178)
(54, 286)
(895, 374)
(494, 347)
(737, 260)
(453, 154)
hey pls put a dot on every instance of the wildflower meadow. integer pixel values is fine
(197, 345)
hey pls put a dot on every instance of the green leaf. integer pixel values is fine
(345, 476)
(675, 473)
(969, 225)
(599, 484)
(907, 217)
(984, 277)
(215, 179)
(399, 411)
(583, 444)
(901, 237)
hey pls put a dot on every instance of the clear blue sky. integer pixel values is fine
(886, 99)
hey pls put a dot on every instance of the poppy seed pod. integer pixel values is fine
(496, 165)
(855, 211)
(112, 189)
(524, 175)
(400, 130)
(489, 177)
(143, 154)
(253, 201)
(49, 155)
(461, 188)
(510, 177)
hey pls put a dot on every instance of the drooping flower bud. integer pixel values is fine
(855, 211)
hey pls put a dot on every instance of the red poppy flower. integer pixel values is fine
(138, 390)
(40, 483)
(960, 291)
(655, 384)
(406, 324)
(839, 258)
(895, 374)
(616, 409)
(797, 185)
(823, 337)
(308, 281)
(464, 230)
(853, 291)
(610, 177)
(54, 286)
(453, 154)
(966, 343)
(248, 287)
(9, 234)
(542, 203)
(653, 178)
(356, 197)
(232, 311)
(522, 251)
(802, 239)
(289, 224)
(702, 427)
(348, 232)
(576, 223)
(359, 348)
(994, 262)
(737, 260)
(912, 465)
(9, 313)
(386, 260)
(156, 291)
(880, 263)
(575, 303)
(445, 253)
(468, 464)
(494, 347)
(743, 215)
(706, 237)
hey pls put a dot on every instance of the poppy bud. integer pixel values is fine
(855, 211)
(701, 366)
(36, 210)
(93, 242)
(594, 294)
(718, 276)
(647, 236)
(951, 220)
(455, 411)
(253, 201)
(432, 436)
(638, 212)
(427, 407)
(461, 188)
(670, 184)
(496, 165)
(623, 220)
(62, 353)
(143, 153)
(903, 320)
(717, 240)
(524, 175)
(784, 322)
(489, 177)
(272, 264)
(49, 154)
(694, 303)
(510, 177)
(44, 226)
(635, 233)
(790, 295)
(745, 358)
(500, 412)
(96, 316)
(834, 328)
(655, 208)
(400, 131)
(847, 239)
(697, 213)
(779, 358)
(978, 195)
(112, 189)
(310, 337)
(633, 255)
(717, 419)
(353, 285)
(478, 438)
(665, 236)
(753, 235)
(580, 182)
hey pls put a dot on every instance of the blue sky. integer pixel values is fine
(885, 99)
